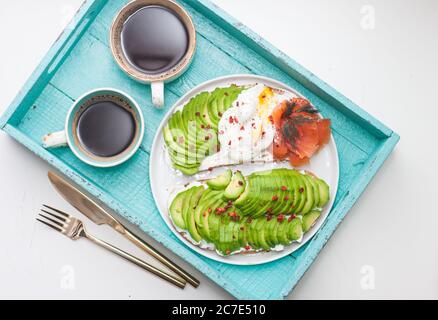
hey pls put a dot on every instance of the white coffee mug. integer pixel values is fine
(156, 81)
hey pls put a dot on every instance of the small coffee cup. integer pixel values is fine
(153, 42)
(103, 128)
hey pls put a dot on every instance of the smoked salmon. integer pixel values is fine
(300, 131)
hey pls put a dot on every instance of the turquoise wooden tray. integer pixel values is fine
(80, 60)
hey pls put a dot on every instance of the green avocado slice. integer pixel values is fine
(235, 187)
(282, 233)
(193, 203)
(221, 181)
(310, 219)
(295, 229)
(308, 194)
(324, 192)
(176, 208)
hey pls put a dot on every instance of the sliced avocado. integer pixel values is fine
(205, 203)
(246, 201)
(282, 233)
(191, 223)
(243, 197)
(308, 194)
(324, 193)
(194, 199)
(236, 186)
(310, 219)
(262, 234)
(187, 171)
(204, 227)
(186, 204)
(270, 232)
(315, 188)
(221, 181)
(295, 229)
(253, 234)
(301, 193)
(214, 222)
(213, 105)
(176, 209)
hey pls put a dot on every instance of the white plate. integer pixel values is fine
(166, 182)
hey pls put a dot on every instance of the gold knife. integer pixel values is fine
(100, 216)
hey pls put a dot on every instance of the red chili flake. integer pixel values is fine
(280, 218)
(240, 183)
(198, 114)
(230, 202)
(242, 229)
(208, 126)
(226, 94)
(232, 214)
(209, 210)
(231, 120)
(269, 217)
(249, 220)
(236, 120)
(263, 134)
(237, 103)
(291, 218)
(210, 169)
(220, 114)
(286, 198)
(221, 132)
(292, 205)
(274, 198)
(229, 143)
(204, 116)
(301, 190)
(202, 126)
(220, 211)
(242, 128)
(204, 214)
(271, 118)
(283, 188)
(227, 252)
(269, 211)
(240, 138)
(207, 138)
(253, 125)
(247, 248)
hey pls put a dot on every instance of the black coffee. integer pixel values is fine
(154, 39)
(106, 129)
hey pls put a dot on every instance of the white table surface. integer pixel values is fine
(387, 246)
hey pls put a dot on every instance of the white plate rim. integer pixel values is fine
(235, 79)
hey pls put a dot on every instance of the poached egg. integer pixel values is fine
(246, 131)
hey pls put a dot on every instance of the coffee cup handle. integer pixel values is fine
(157, 89)
(55, 140)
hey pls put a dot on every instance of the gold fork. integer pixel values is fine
(74, 229)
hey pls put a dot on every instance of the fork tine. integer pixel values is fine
(55, 216)
(58, 211)
(58, 223)
(51, 226)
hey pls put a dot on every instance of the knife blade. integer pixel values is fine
(96, 213)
